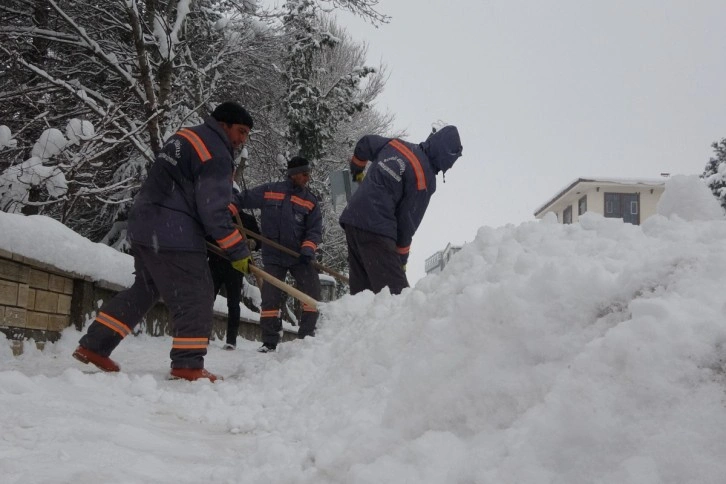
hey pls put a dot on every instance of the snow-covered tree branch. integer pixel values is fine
(138, 70)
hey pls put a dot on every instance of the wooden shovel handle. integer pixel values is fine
(291, 252)
(296, 293)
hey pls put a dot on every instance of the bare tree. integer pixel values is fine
(137, 70)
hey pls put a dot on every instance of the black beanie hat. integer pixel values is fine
(232, 113)
(297, 164)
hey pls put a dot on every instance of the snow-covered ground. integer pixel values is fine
(544, 353)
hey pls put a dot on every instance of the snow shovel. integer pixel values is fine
(291, 252)
(296, 293)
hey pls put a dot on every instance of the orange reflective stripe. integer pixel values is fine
(358, 162)
(302, 202)
(196, 143)
(113, 324)
(232, 208)
(230, 240)
(403, 250)
(274, 196)
(311, 244)
(417, 168)
(309, 309)
(190, 343)
(270, 313)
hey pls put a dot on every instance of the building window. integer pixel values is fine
(623, 205)
(582, 205)
(567, 215)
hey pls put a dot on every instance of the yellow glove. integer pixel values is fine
(404, 267)
(242, 265)
(359, 177)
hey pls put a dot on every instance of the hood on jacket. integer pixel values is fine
(443, 148)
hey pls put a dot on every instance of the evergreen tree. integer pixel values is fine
(314, 110)
(714, 175)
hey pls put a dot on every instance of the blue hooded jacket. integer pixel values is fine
(393, 197)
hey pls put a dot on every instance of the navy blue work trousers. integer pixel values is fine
(182, 279)
(374, 262)
(307, 280)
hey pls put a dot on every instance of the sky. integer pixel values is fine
(546, 92)
(543, 353)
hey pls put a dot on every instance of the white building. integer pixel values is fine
(438, 261)
(633, 200)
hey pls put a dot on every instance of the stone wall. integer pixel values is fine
(38, 302)
(35, 300)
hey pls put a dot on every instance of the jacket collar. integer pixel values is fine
(291, 186)
(214, 125)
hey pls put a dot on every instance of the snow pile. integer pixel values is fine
(688, 197)
(542, 353)
(46, 240)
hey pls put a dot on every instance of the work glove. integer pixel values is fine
(403, 259)
(358, 177)
(242, 265)
(304, 259)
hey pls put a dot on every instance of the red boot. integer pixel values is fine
(192, 374)
(84, 355)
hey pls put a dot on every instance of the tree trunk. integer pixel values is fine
(146, 78)
(33, 196)
(41, 17)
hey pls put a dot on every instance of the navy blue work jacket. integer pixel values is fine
(186, 194)
(290, 216)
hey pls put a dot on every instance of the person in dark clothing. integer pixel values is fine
(183, 199)
(397, 180)
(223, 274)
(291, 217)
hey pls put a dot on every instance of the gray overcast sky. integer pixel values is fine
(544, 92)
